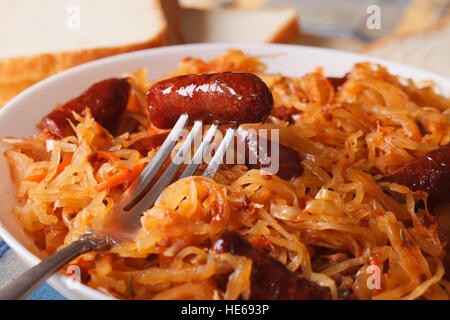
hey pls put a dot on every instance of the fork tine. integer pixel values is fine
(220, 153)
(198, 156)
(149, 199)
(138, 188)
(124, 222)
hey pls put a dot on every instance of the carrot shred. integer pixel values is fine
(259, 241)
(374, 261)
(39, 177)
(36, 178)
(66, 161)
(379, 212)
(123, 176)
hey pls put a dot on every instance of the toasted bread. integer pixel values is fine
(39, 39)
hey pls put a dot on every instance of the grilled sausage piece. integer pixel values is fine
(225, 98)
(106, 99)
(270, 279)
(146, 144)
(260, 149)
(57, 124)
(430, 173)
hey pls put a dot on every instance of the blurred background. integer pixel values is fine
(42, 37)
(343, 23)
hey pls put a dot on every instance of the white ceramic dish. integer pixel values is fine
(21, 115)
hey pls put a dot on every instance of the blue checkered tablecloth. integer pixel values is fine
(11, 267)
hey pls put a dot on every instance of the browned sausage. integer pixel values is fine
(288, 160)
(337, 82)
(430, 173)
(226, 98)
(269, 278)
(146, 144)
(106, 99)
(57, 124)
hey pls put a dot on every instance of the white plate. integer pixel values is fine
(21, 115)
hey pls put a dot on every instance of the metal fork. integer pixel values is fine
(140, 196)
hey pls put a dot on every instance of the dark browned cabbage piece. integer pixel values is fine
(337, 82)
(106, 99)
(270, 279)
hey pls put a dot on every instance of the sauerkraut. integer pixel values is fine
(331, 225)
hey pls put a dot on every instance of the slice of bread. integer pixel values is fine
(40, 38)
(277, 25)
(428, 49)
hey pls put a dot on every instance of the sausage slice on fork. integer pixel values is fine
(226, 98)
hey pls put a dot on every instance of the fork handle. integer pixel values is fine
(30, 280)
